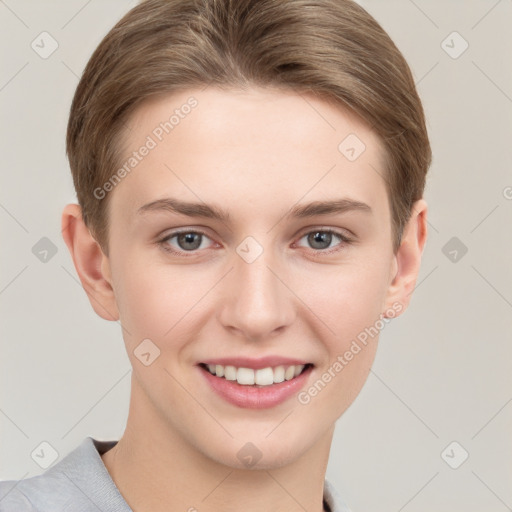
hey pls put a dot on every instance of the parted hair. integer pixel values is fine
(332, 48)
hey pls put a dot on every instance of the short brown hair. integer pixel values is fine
(332, 48)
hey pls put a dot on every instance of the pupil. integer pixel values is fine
(320, 237)
(188, 238)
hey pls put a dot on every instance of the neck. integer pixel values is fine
(156, 468)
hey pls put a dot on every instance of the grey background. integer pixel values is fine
(443, 370)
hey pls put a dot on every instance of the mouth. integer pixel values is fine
(256, 383)
(257, 378)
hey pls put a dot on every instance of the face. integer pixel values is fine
(250, 277)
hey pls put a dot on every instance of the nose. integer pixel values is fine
(257, 303)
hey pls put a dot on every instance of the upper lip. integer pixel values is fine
(256, 363)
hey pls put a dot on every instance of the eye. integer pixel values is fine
(186, 242)
(321, 240)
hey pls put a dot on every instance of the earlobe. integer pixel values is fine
(407, 261)
(91, 264)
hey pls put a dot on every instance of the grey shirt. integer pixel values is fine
(80, 482)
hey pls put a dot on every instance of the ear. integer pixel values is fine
(406, 263)
(91, 264)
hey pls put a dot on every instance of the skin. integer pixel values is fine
(256, 153)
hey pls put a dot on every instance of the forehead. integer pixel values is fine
(248, 148)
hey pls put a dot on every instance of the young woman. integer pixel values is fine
(250, 178)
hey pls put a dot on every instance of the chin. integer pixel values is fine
(262, 453)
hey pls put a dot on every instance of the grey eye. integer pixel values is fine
(189, 241)
(320, 239)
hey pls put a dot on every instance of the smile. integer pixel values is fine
(256, 377)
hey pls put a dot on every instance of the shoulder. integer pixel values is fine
(35, 494)
(12, 498)
(79, 480)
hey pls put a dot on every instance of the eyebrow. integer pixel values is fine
(312, 209)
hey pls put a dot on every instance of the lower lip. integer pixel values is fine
(253, 397)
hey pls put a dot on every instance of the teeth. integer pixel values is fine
(262, 377)
(245, 376)
(289, 373)
(230, 373)
(279, 374)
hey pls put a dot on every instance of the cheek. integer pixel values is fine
(348, 301)
(348, 297)
(352, 316)
(157, 301)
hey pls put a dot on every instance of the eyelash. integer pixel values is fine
(316, 252)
